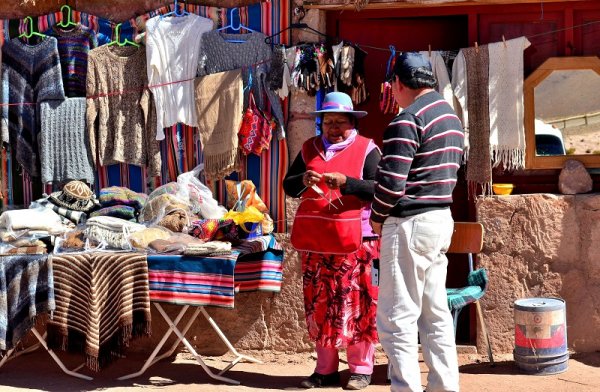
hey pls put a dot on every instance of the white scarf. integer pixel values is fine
(507, 133)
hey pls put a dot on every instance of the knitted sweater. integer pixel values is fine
(422, 151)
(30, 74)
(172, 51)
(121, 126)
(73, 47)
(64, 148)
(219, 55)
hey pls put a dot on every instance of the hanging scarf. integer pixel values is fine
(479, 165)
(507, 132)
(332, 148)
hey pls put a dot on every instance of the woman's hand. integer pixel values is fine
(310, 178)
(335, 180)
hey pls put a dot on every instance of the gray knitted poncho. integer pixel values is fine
(30, 75)
(219, 55)
(64, 147)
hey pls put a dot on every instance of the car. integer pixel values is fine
(548, 140)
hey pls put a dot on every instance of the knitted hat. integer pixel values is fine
(75, 195)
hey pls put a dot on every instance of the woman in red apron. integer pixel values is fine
(333, 175)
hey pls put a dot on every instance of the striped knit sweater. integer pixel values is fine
(422, 151)
(73, 47)
(30, 74)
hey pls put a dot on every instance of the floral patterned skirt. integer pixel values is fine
(339, 300)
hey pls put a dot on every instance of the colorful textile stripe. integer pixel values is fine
(201, 281)
(181, 151)
(260, 265)
(198, 281)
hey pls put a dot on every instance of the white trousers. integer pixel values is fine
(412, 299)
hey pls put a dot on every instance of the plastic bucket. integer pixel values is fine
(541, 336)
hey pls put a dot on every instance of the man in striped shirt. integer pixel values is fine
(422, 151)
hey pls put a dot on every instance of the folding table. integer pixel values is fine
(210, 281)
(31, 279)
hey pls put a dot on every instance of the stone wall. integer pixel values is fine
(542, 245)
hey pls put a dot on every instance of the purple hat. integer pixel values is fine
(337, 102)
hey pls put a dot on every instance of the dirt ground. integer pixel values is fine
(37, 372)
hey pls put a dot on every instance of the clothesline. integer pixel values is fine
(123, 92)
(390, 47)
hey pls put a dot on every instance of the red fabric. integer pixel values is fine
(339, 300)
(319, 226)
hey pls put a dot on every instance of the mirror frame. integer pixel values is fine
(533, 161)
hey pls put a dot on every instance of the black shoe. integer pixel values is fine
(358, 381)
(317, 380)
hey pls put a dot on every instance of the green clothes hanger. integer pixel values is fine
(30, 32)
(66, 21)
(117, 41)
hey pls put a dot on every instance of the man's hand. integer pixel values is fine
(376, 227)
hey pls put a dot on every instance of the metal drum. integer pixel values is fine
(541, 336)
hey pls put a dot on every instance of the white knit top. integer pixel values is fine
(172, 47)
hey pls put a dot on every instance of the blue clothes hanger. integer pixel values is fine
(175, 11)
(235, 27)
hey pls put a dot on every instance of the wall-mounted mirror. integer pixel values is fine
(562, 113)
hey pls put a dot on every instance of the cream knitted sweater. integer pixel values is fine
(120, 114)
(172, 48)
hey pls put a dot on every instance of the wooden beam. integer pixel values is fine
(337, 5)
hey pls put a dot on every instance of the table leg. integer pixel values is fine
(57, 359)
(232, 349)
(172, 326)
(193, 351)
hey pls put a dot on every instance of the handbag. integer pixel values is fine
(256, 130)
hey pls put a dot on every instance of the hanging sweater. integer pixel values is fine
(73, 48)
(121, 119)
(172, 52)
(30, 75)
(64, 148)
(219, 55)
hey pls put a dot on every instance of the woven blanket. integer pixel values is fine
(26, 291)
(102, 304)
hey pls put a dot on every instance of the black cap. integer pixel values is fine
(414, 70)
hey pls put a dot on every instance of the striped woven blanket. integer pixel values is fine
(26, 291)
(102, 303)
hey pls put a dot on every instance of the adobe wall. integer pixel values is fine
(542, 245)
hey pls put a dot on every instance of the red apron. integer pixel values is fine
(323, 227)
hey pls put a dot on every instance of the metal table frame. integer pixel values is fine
(173, 327)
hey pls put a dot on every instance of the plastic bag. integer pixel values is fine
(242, 194)
(199, 195)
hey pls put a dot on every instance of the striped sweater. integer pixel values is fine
(30, 75)
(422, 151)
(73, 47)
